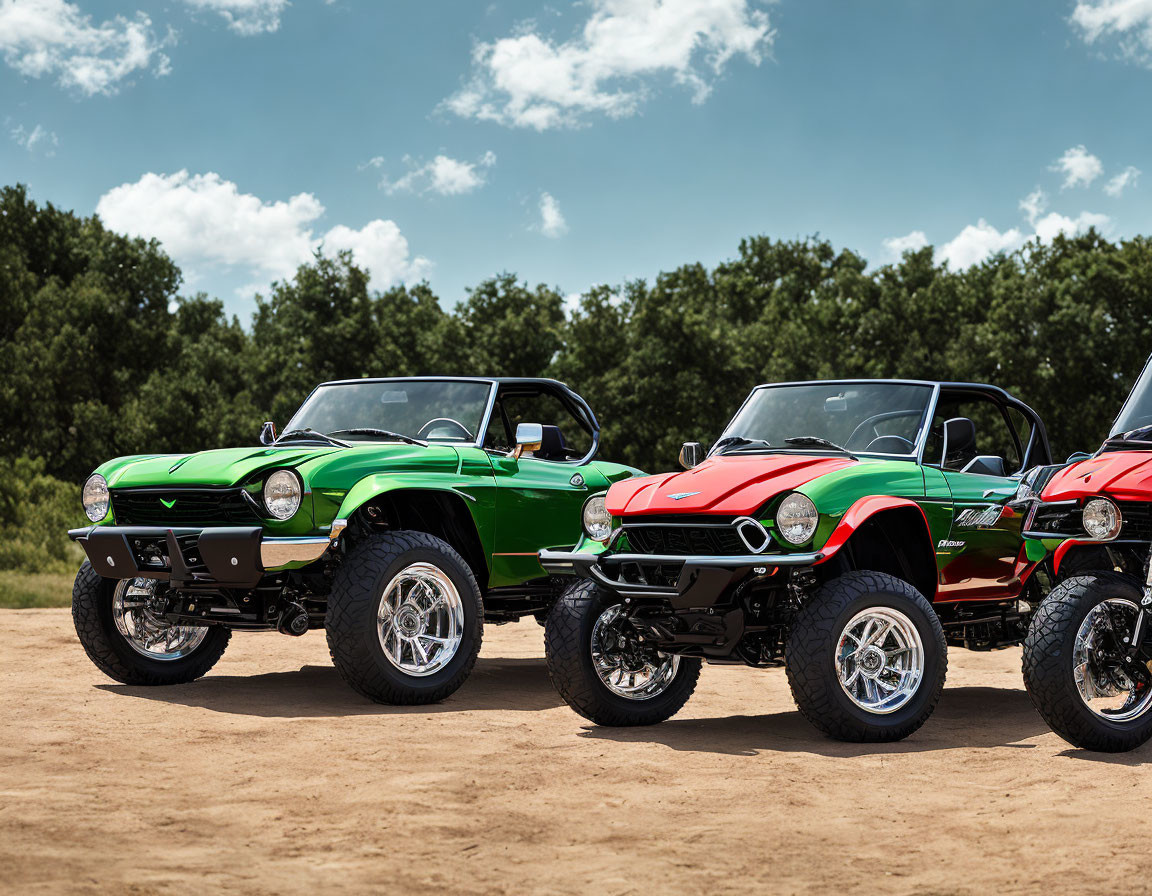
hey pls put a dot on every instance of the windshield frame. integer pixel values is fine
(1113, 433)
(922, 437)
(493, 385)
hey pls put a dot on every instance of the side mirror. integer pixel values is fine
(690, 455)
(959, 431)
(267, 433)
(529, 437)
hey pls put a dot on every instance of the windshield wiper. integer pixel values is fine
(310, 435)
(383, 433)
(727, 442)
(817, 442)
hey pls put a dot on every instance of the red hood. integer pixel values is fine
(1124, 475)
(729, 485)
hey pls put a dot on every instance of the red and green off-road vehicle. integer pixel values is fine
(848, 530)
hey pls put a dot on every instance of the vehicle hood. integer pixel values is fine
(1124, 475)
(219, 467)
(736, 485)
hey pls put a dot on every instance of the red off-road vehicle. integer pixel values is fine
(1089, 648)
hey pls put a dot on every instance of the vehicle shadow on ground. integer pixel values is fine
(496, 684)
(965, 717)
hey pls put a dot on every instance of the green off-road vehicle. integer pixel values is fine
(399, 514)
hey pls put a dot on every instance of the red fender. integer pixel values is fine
(1065, 546)
(859, 513)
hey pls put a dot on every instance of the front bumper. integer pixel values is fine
(225, 556)
(701, 581)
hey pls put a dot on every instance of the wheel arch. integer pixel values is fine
(884, 534)
(449, 512)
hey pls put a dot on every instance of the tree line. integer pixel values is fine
(100, 354)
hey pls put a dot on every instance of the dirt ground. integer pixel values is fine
(270, 776)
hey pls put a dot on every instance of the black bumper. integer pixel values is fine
(701, 582)
(224, 556)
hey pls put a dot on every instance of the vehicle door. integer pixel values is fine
(540, 494)
(982, 555)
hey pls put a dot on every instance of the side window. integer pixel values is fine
(993, 435)
(564, 438)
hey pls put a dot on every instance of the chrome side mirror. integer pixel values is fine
(529, 437)
(268, 433)
(690, 455)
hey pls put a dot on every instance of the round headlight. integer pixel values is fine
(797, 518)
(597, 519)
(1102, 519)
(282, 494)
(95, 497)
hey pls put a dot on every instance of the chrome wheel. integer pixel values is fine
(1106, 689)
(134, 612)
(880, 660)
(420, 620)
(626, 667)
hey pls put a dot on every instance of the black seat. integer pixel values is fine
(961, 443)
(552, 446)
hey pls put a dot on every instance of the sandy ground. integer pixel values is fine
(270, 776)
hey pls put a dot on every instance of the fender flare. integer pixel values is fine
(1065, 546)
(862, 511)
(477, 496)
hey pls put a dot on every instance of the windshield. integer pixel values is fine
(876, 418)
(1137, 410)
(428, 409)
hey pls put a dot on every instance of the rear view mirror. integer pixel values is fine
(529, 437)
(835, 404)
(268, 433)
(690, 455)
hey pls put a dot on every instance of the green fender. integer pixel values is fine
(478, 495)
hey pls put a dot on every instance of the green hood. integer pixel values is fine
(221, 467)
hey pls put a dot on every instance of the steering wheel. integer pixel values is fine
(903, 441)
(427, 427)
(874, 422)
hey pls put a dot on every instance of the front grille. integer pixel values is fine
(190, 507)
(689, 537)
(1137, 520)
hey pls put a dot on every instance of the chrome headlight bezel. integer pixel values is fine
(283, 494)
(1106, 521)
(797, 519)
(596, 519)
(95, 497)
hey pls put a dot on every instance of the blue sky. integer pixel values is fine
(574, 144)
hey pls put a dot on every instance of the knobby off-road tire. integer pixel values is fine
(568, 650)
(115, 657)
(352, 622)
(811, 652)
(1048, 664)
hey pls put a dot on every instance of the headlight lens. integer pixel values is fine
(597, 519)
(95, 497)
(1102, 519)
(282, 494)
(797, 518)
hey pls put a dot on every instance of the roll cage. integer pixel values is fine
(1036, 452)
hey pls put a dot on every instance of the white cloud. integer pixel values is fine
(39, 139)
(1052, 224)
(443, 175)
(1078, 166)
(1118, 184)
(205, 221)
(977, 242)
(40, 38)
(1129, 21)
(529, 80)
(910, 242)
(1034, 205)
(246, 17)
(552, 223)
